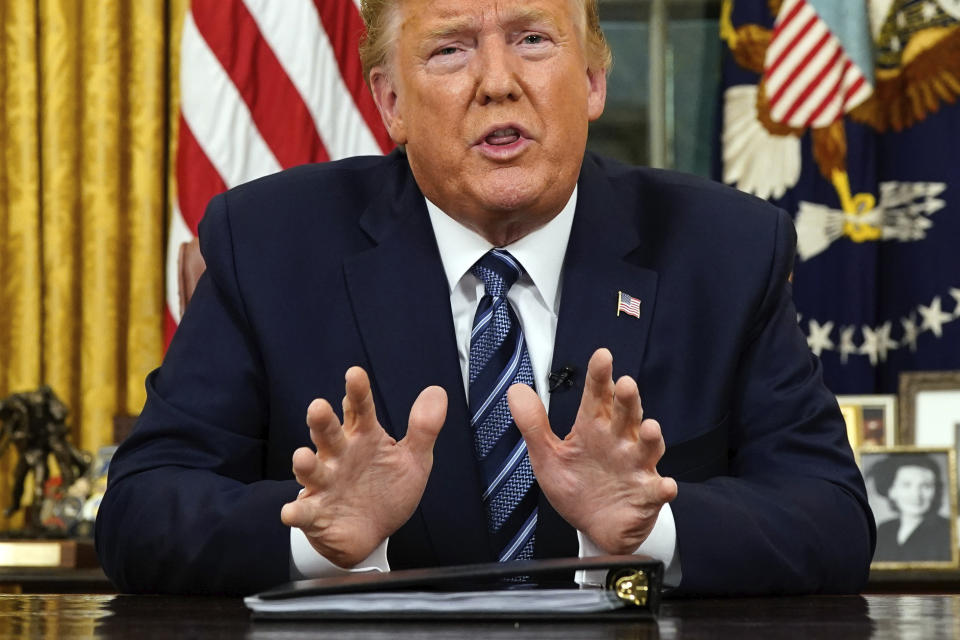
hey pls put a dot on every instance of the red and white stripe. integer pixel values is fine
(264, 86)
(809, 79)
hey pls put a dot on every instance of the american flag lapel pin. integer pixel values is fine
(628, 304)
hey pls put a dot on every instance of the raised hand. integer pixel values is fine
(602, 478)
(361, 485)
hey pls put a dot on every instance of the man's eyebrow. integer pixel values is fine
(525, 16)
(453, 27)
(513, 18)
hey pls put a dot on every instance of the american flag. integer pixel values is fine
(628, 304)
(810, 78)
(264, 85)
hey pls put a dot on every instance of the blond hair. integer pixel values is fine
(379, 17)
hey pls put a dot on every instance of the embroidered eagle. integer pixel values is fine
(809, 82)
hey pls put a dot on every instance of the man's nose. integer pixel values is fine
(498, 79)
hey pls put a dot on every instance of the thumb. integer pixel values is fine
(531, 419)
(427, 414)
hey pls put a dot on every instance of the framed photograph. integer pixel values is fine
(913, 495)
(929, 408)
(875, 419)
(852, 417)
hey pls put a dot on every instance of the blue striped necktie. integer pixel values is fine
(498, 359)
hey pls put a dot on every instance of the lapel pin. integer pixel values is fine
(628, 304)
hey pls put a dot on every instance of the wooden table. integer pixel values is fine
(53, 580)
(812, 618)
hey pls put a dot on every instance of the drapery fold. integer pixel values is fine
(85, 130)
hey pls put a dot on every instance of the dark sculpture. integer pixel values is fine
(35, 423)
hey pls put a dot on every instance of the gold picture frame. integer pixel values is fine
(923, 396)
(930, 545)
(852, 417)
(874, 419)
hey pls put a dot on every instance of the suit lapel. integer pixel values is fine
(411, 344)
(600, 262)
(401, 304)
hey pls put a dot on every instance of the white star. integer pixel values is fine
(819, 338)
(884, 342)
(929, 11)
(933, 317)
(846, 343)
(910, 331)
(870, 345)
(895, 43)
(877, 342)
(956, 296)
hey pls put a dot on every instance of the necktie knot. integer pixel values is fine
(498, 270)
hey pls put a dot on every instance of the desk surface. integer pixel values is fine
(144, 617)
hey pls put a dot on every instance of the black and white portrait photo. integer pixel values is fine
(915, 506)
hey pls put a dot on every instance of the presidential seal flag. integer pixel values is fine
(264, 85)
(845, 115)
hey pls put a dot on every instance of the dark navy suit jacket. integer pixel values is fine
(322, 267)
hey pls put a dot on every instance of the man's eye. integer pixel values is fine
(446, 51)
(532, 39)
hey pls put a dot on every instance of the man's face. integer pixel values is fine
(492, 100)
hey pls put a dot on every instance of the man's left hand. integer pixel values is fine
(602, 478)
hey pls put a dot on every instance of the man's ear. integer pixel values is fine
(388, 103)
(596, 92)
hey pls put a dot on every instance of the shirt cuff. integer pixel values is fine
(306, 562)
(661, 545)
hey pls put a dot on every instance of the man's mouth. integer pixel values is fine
(502, 137)
(503, 142)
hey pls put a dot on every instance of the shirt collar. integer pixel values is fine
(540, 252)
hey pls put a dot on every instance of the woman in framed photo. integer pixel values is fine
(913, 486)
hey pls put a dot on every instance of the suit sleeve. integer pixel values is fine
(791, 516)
(188, 508)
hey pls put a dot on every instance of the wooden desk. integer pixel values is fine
(53, 580)
(144, 617)
(917, 581)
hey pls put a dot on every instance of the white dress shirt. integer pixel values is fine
(536, 299)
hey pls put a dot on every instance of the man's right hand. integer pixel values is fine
(361, 485)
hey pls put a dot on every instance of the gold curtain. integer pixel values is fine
(87, 124)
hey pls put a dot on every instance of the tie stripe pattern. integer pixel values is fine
(498, 359)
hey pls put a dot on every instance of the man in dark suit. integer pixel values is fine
(623, 282)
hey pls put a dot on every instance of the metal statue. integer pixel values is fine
(34, 422)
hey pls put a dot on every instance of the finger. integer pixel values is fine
(307, 469)
(325, 430)
(532, 421)
(297, 514)
(597, 387)
(359, 413)
(627, 410)
(427, 415)
(667, 489)
(652, 445)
